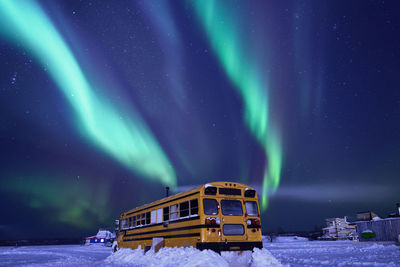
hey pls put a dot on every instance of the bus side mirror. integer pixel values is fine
(165, 224)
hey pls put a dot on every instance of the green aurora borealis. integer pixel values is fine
(103, 104)
(73, 203)
(123, 135)
(126, 137)
(243, 70)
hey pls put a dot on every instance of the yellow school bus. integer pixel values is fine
(218, 216)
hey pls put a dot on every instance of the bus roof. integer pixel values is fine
(187, 192)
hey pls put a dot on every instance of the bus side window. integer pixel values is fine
(174, 212)
(159, 215)
(147, 217)
(153, 216)
(194, 207)
(143, 219)
(184, 209)
(137, 220)
(133, 221)
(166, 213)
(130, 222)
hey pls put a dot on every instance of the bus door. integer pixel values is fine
(232, 220)
(212, 219)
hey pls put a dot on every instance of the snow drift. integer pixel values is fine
(192, 257)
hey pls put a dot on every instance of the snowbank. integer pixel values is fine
(192, 257)
(167, 257)
(262, 257)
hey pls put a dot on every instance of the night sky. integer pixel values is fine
(103, 104)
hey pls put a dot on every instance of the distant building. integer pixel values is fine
(396, 213)
(382, 230)
(103, 237)
(366, 216)
(339, 229)
(377, 229)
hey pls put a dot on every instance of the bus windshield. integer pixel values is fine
(210, 206)
(231, 207)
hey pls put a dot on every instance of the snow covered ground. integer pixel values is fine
(286, 239)
(62, 255)
(289, 251)
(335, 253)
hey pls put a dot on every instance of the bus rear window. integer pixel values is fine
(251, 208)
(233, 229)
(210, 206)
(231, 207)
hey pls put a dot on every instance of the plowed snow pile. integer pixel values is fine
(192, 257)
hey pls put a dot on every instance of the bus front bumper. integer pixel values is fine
(229, 246)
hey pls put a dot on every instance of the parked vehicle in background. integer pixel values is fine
(103, 237)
